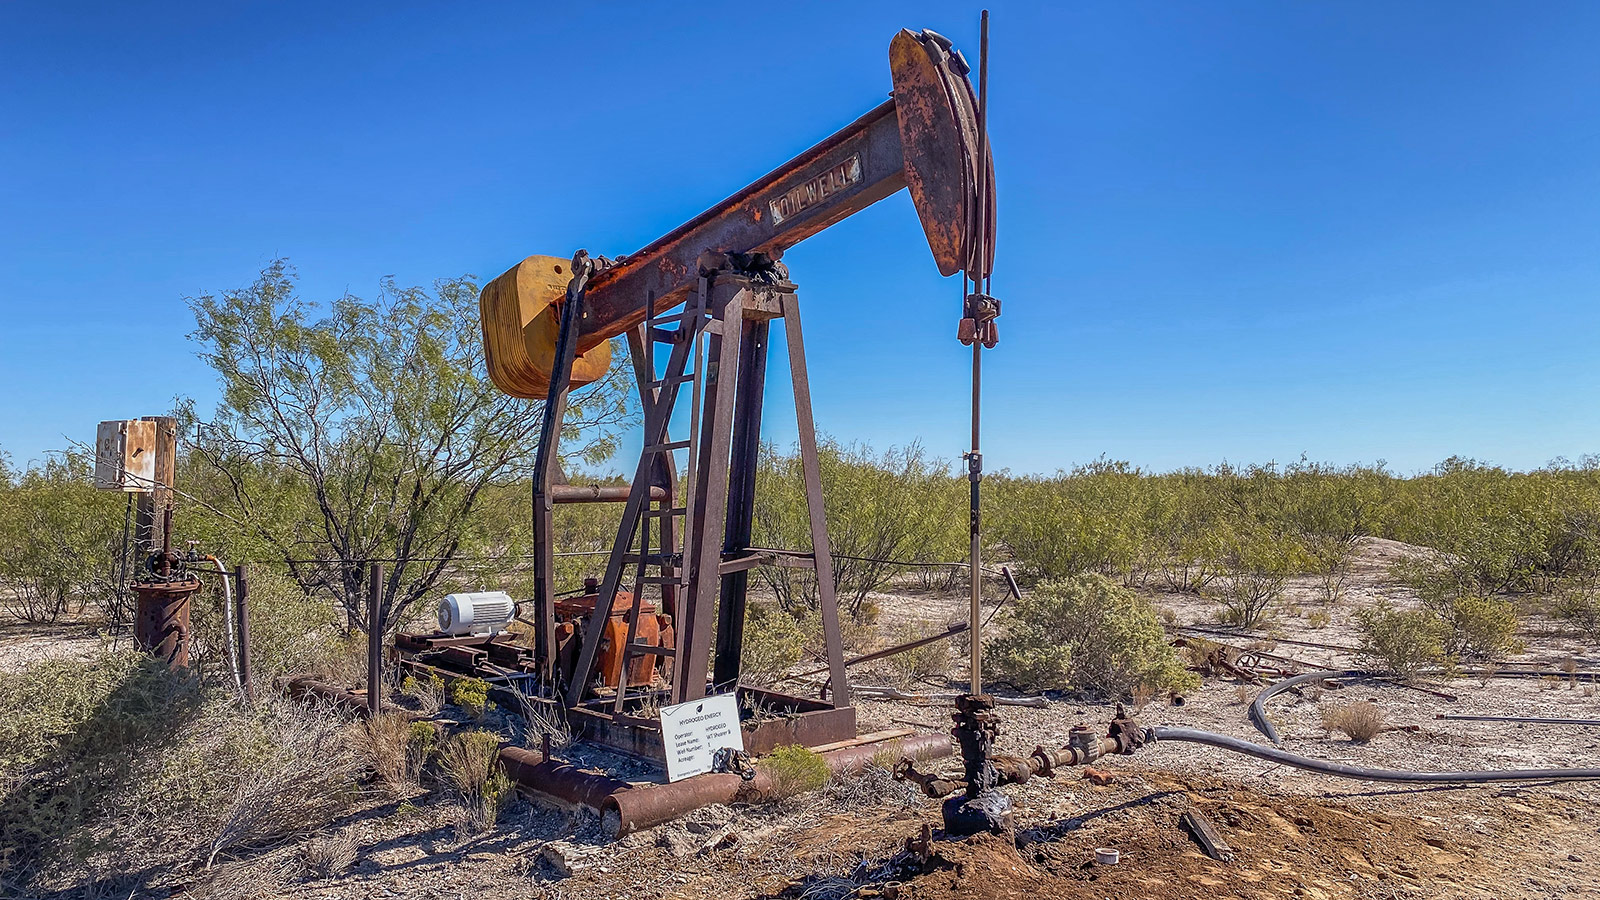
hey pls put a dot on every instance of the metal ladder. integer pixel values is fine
(659, 396)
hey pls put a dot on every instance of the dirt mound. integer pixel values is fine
(1285, 847)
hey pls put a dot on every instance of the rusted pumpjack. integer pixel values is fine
(669, 608)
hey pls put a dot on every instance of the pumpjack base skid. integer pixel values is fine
(770, 718)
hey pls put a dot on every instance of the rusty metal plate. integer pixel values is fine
(934, 146)
(520, 314)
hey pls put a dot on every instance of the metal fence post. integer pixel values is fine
(374, 639)
(241, 603)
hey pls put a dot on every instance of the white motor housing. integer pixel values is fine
(478, 612)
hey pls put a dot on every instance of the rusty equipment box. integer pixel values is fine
(125, 455)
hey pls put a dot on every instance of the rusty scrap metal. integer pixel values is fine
(539, 774)
(1099, 777)
(301, 687)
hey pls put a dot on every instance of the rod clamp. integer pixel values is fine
(977, 323)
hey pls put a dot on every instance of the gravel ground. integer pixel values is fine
(1298, 834)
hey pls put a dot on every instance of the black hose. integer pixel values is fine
(1273, 754)
(1258, 707)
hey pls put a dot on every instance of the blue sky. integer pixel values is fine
(1239, 231)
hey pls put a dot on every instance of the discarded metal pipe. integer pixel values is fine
(1521, 720)
(646, 806)
(563, 781)
(301, 687)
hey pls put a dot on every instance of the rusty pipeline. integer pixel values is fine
(646, 806)
(1083, 746)
(563, 781)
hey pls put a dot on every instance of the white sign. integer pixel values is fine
(693, 731)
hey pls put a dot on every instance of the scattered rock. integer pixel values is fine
(675, 842)
(567, 858)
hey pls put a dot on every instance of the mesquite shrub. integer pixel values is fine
(1090, 635)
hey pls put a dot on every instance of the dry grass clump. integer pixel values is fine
(262, 877)
(397, 749)
(287, 772)
(121, 766)
(873, 786)
(428, 692)
(1360, 721)
(470, 762)
(327, 855)
(383, 742)
(920, 663)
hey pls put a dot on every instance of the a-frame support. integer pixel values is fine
(733, 307)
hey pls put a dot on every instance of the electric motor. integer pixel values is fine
(478, 612)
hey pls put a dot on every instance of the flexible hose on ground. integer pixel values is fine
(1362, 773)
(1258, 708)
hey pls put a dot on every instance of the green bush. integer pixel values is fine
(1087, 634)
(1405, 642)
(60, 542)
(881, 510)
(471, 694)
(1259, 565)
(1482, 629)
(1581, 609)
(471, 762)
(794, 770)
(773, 641)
